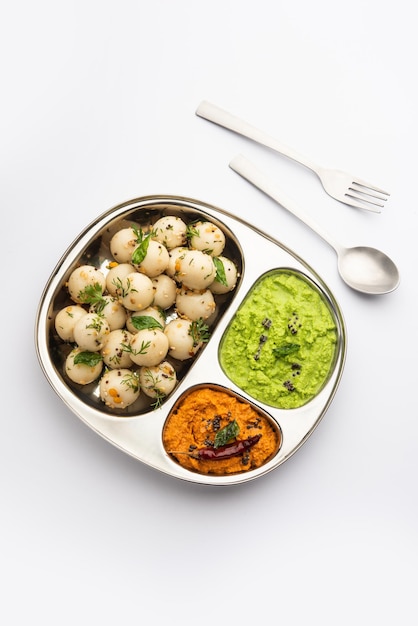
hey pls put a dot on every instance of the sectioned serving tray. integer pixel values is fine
(138, 431)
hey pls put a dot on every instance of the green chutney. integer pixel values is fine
(280, 346)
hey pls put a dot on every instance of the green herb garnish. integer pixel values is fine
(87, 358)
(199, 331)
(191, 231)
(145, 321)
(226, 434)
(220, 271)
(123, 290)
(142, 240)
(152, 384)
(93, 294)
(131, 381)
(285, 349)
(158, 400)
(143, 349)
(97, 322)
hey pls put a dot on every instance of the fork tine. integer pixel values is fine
(364, 197)
(363, 191)
(362, 183)
(360, 203)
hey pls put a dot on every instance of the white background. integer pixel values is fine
(97, 107)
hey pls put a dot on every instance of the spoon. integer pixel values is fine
(362, 268)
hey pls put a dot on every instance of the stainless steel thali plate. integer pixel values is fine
(138, 431)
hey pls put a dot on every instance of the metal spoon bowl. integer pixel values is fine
(367, 270)
(362, 268)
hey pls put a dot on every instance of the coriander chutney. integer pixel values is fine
(280, 346)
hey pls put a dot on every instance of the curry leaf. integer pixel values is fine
(220, 271)
(285, 349)
(87, 358)
(141, 250)
(145, 321)
(225, 434)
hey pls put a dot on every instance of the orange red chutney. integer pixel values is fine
(190, 432)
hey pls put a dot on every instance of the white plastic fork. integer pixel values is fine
(340, 185)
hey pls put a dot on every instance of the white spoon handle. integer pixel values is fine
(247, 170)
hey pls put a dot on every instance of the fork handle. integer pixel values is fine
(217, 115)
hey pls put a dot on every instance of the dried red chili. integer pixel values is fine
(236, 448)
